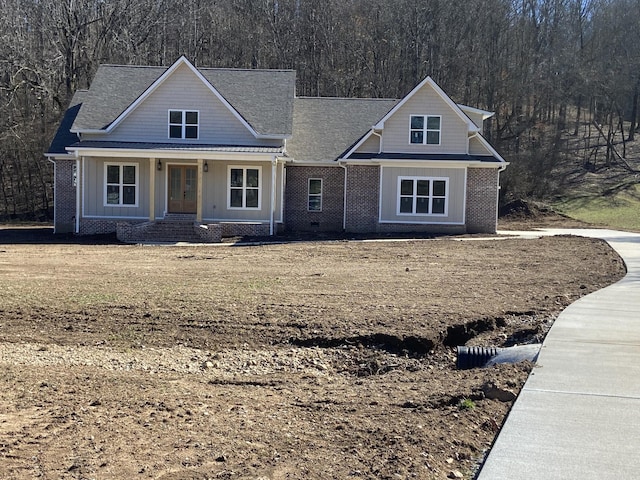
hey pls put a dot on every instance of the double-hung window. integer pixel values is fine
(315, 195)
(425, 129)
(244, 188)
(121, 185)
(184, 124)
(422, 196)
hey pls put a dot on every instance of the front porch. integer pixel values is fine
(196, 195)
(175, 228)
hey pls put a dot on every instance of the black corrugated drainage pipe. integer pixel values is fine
(474, 357)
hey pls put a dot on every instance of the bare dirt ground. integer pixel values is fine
(307, 360)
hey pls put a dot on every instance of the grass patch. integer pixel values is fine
(466, 404)
(620, 210)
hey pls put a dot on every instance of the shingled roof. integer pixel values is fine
(63, 137)
(264, 98)
(324, 127)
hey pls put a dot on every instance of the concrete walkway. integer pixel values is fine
(578, 415)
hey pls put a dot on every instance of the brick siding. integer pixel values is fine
(99, 226)
(230, 229)
(363, 192)
(297, 217)
(418, 228)
(482, 200)
(65, 197)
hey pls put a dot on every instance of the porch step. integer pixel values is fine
(178, 218)
(171, 231)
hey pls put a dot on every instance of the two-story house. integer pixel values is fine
(190, 153)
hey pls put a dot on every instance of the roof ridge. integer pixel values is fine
(131, 66)
(230, 69)
(349, 98)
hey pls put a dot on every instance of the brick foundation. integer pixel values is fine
(98, 226)
(244, 229)
(298, 218)
(413, 228)
(482, 200)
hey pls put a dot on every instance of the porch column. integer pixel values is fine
(199, 191)
(274, 177)
(152, 189)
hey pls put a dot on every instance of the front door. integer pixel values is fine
(183, 187)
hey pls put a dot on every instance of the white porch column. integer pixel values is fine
(152, 189)
(199, 191)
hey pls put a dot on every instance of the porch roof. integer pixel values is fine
(173, 147)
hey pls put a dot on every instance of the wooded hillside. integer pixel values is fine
(550, 69)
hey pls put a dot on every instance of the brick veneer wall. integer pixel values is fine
(363, 192)
(230, 229)
(65, 197)
(98, 226)
(297, 217)
(482, 200)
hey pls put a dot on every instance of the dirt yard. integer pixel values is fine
(307, 360)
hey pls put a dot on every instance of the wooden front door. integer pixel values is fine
(183, 188)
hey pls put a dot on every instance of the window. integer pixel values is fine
(425, 130)
(244, 187)
(315, 195)
(422, 196)
(121, 186)
(183, 124)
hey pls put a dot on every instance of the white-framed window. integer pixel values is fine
(184, 124)
(425, 129)
(314, 203)
(245, 188)
(423, 196)
(121, 184)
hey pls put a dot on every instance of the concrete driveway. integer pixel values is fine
(578, 415)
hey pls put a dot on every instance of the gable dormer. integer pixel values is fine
(426, 121)
(182, 104)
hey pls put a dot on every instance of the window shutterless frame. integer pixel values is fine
(423, 196)
(244, 188)
(314, 201)
(121, 184)
(184, 124)
(425, 129)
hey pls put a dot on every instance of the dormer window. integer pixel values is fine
(183, 124)
(425, 130)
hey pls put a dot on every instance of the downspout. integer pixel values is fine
(77, 226)
(379, 135)
(55, 182)
(501, 169)
(274, 164)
